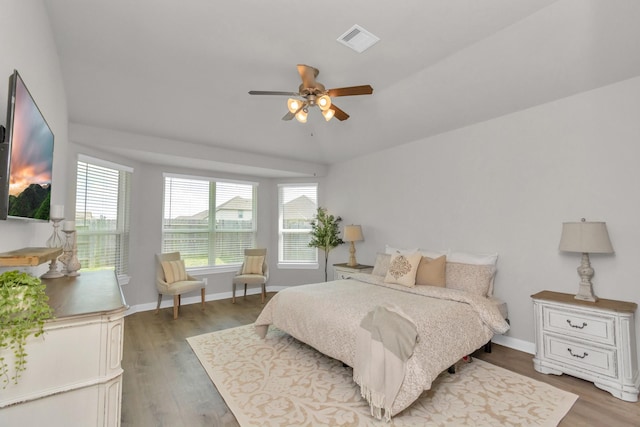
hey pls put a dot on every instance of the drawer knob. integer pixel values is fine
(585, 354)
(576, 326)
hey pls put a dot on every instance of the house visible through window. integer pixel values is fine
(210, 222)
(297, 208)
(102, 215)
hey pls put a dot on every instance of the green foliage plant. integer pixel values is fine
(23, 312)
(325, 234)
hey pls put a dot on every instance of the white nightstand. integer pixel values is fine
(343, 271)
(595, 341)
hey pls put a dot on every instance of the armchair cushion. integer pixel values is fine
(174, 271)
(252, 265)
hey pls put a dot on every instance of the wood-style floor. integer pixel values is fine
(165, 385)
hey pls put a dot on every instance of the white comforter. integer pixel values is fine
(326, 316)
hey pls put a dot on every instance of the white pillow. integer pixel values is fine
(472, 258)
(433, 254)
(391, 250)
(403, 268)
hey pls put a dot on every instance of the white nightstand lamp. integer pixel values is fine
(352, 233)
(585, 237)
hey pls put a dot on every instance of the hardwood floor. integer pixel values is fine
(165, 385)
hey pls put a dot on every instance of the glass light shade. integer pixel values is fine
(328, 114)
(301, 116)
(293, 105)
(324, 102)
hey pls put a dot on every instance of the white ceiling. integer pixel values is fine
(181, 70)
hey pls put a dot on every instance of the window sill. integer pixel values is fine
(298, 266)
(203, 271)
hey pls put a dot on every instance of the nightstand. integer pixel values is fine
(595, 341)
(343, 271)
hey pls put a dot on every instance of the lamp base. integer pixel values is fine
(585, 292)
(352, 256)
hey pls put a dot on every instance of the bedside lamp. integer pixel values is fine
(352, 233)
(585, 237)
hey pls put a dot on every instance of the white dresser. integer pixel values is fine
(592, 341)
(343, 271)
(73, 374)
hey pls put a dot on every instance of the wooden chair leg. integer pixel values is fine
(245, 290)
(202, 295)
(233, 294)
(264, 292)
(159, 301)
(176, 303)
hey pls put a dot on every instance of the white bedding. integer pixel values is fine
(451, 323)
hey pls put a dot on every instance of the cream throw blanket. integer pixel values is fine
(385, 341)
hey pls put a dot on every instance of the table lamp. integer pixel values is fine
(352, 233)
(585, 237)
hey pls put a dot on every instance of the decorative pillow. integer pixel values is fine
(381, 266)
(431, 272)
(174, 271)
(472, 258)
(476, 279)
(253, 264)
(402, 269)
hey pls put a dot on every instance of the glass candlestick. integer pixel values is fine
(72, 263)
(55, 241)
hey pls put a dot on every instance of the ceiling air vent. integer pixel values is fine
(358, 39)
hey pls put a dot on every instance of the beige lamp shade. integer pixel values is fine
(585, 237)
(353, 233)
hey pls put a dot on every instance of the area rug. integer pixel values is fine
(280, 381)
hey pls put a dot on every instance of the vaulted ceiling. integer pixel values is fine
(181, 70)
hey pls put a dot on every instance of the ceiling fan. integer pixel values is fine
(312, 93)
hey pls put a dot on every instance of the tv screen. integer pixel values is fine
(26, 158)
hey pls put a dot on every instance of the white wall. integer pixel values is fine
(26, 44)
(506, 186)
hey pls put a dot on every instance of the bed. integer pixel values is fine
(451, 323)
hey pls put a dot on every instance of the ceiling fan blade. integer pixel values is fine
(308, 75)
(288, 116)
(351, 90)
(271, 92)
(339, 114)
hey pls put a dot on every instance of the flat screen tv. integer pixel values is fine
(26, 157)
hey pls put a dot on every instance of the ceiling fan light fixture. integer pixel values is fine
(301, 116)
(328, 114)
(324, 102)
(293, 105)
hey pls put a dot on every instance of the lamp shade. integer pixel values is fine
(585, 237)
(352, 233)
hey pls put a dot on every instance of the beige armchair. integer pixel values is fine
(176, 288)
(252, 279)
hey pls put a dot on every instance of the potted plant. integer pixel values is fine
(23, 312)
(325, 234)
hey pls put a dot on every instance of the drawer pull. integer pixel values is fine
(585, 354)
(576, 326)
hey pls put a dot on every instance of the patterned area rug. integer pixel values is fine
(280, 381)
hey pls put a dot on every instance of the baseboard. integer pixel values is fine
(168, 301)
(515, 343)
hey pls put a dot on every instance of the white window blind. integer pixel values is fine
(103, 203)
(209, 222)
(297, 205)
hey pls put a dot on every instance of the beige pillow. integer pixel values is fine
(471, 278)
(174, 271)
(402, 269)
(381, 266)
(431, 272)
(253, 264)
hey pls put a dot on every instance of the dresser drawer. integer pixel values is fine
(579, 355)
(578, 324)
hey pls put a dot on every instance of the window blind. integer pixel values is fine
(103, 203)
(210, 222)
(298, 204)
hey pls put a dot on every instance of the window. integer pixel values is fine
(297, 204)
(210, 222)
(103, 193)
